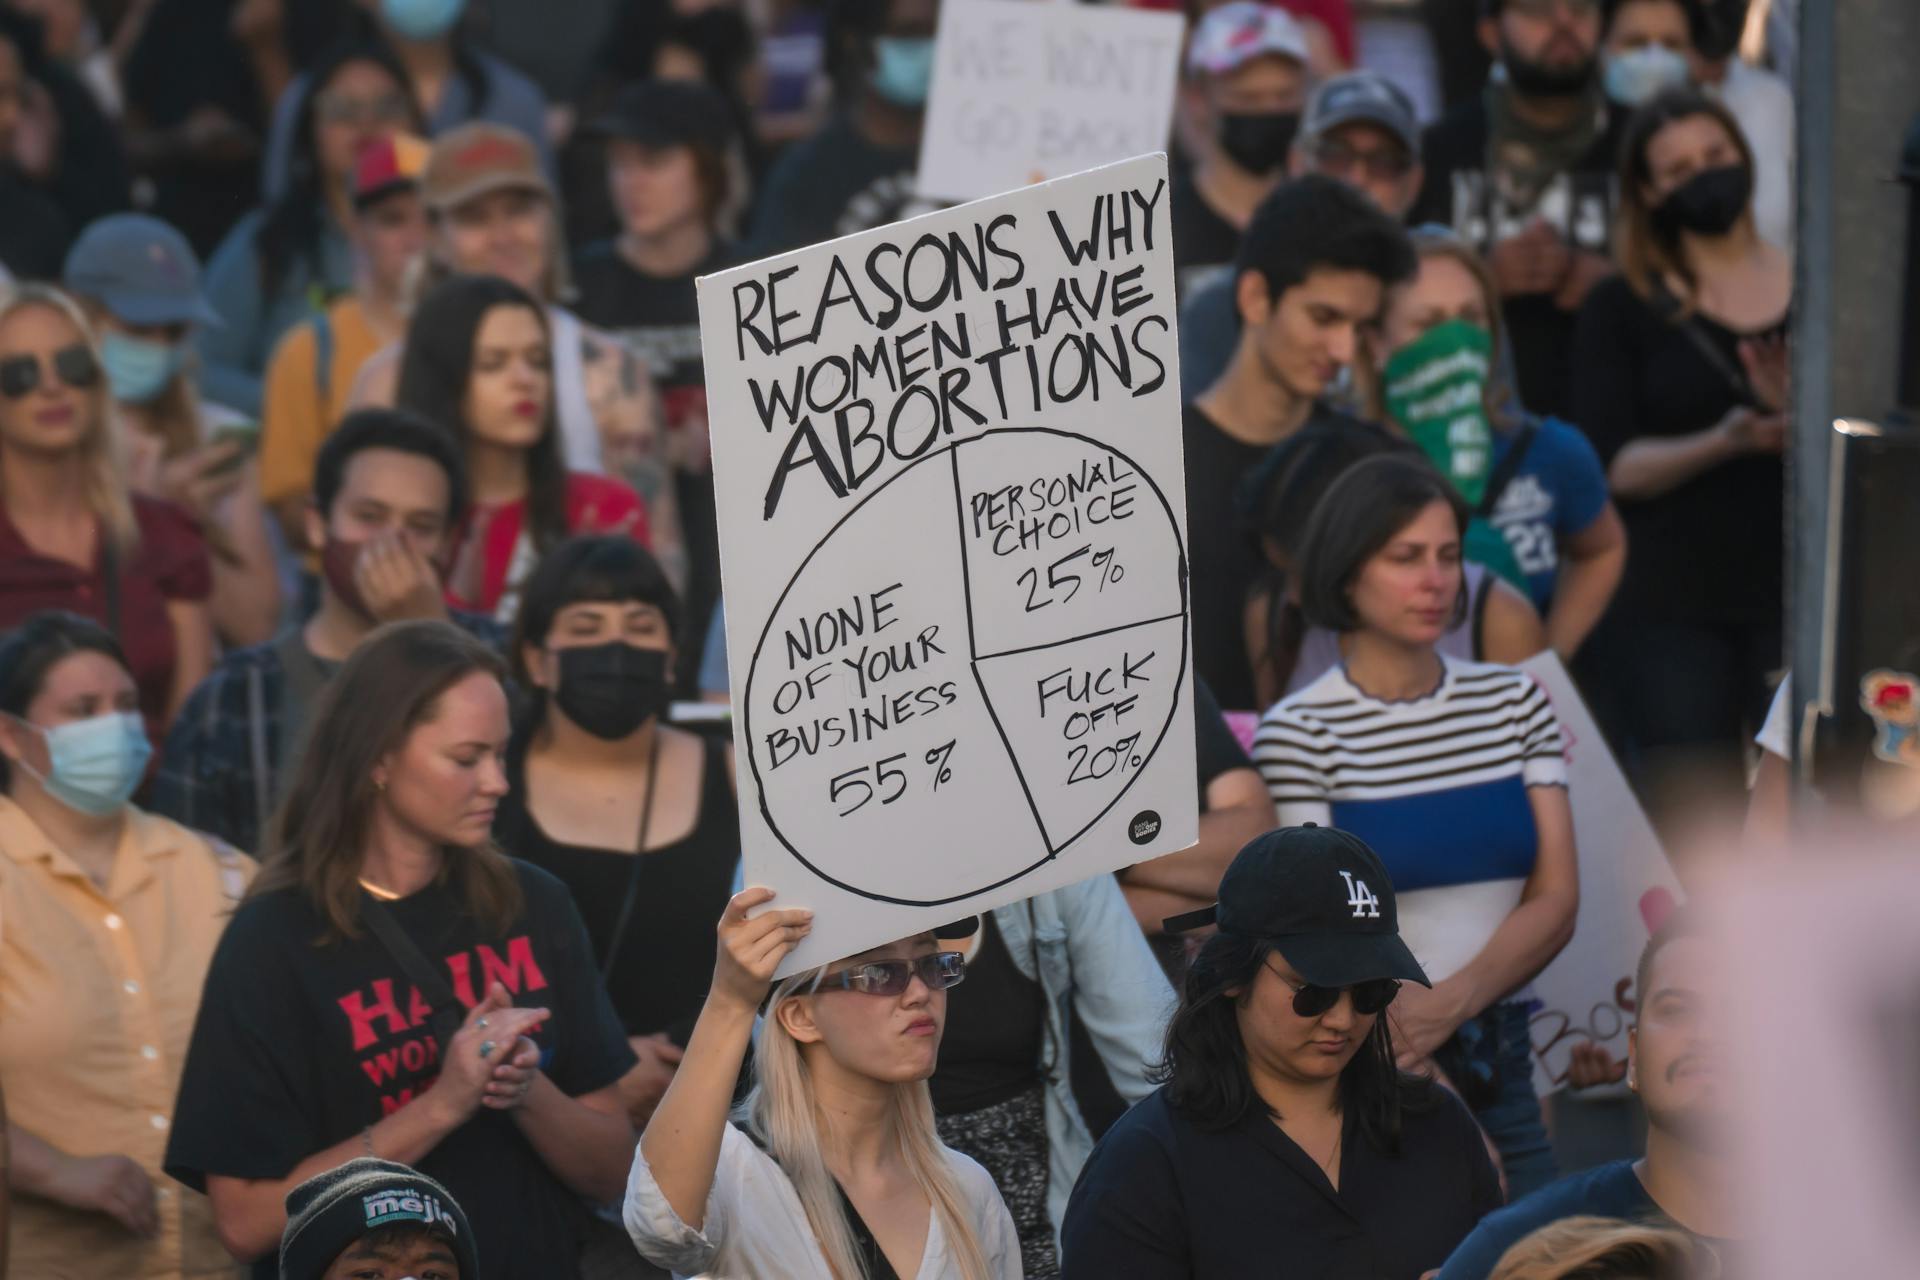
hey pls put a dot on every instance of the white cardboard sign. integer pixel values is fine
(1023, 92)
(952, 530)
(1626, 889)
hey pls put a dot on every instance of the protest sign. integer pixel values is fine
(1023, 92)
(1626, 889)
(947, 464)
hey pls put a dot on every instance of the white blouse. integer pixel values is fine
(755, 1228)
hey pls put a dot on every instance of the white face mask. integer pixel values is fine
(1636, 77)
(95, 765)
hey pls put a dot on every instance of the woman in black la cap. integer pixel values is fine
(1284, 1141)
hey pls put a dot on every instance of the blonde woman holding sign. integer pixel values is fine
(831, 1169)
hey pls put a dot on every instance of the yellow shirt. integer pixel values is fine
(299, 408)
(98, 991)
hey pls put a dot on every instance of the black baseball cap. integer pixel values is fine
(665, 113)
(1363, 97)
(1322, 898)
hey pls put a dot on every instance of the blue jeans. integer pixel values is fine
(1490, 1060)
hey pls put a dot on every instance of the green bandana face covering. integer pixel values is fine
(1436, 390)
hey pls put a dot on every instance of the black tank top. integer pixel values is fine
(996, 1029)
(665, 963)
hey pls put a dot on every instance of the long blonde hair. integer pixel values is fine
(100, 453)
(781, 1112)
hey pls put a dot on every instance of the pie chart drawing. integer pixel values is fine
(976, 663)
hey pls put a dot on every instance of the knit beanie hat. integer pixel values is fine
(331, 1210)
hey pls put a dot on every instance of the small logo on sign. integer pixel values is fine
(1144, 827)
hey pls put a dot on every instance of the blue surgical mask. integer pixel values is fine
(95, 764)
(1638, 76)
(422, 19)
(903, 69)
(138, 369)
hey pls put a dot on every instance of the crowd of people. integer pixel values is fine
(366, 908)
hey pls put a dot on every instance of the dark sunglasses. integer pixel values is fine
(74, 365)
(939, 971)
(1369, 998)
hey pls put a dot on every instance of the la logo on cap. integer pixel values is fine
(1366, 906)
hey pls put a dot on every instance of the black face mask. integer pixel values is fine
(1259, 143)
(612, 689)
(1536, 80)
(1708, 203)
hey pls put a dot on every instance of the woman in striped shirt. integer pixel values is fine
(1453, 771)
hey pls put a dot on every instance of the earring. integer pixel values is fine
(380, 785)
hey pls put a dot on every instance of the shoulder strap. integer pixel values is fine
(446, 1013)
(323, 357)
(1689, 325)
(1509, 467)
(1479, 608)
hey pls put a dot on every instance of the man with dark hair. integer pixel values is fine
(1525, 174)
(1316, 260)
(387, 489)
(859, 170)
(372, 1219)
(1674, 1060)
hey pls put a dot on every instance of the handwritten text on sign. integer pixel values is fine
(948, 466)
(1025, 91)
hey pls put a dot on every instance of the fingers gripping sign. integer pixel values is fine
(751, 948)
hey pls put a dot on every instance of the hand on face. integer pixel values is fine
(396, 581)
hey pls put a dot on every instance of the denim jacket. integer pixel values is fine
(1092, 960)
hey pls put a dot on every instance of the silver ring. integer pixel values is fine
(486, 1049)
(481, 1024)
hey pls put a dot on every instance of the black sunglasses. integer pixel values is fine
(74, 365)
(1369, 997)
(939, 971)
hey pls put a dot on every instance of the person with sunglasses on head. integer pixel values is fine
(289, 258)
(831, 1169)
(1285, 1139)
(109, 917)
(139, 281)
(387, 491)
(1454, 771)
(72, 534)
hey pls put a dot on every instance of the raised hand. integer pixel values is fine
(750, 950)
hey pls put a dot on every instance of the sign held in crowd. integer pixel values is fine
(1626, 889)
(1024, 92)
(948, 472)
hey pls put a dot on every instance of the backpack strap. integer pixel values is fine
(1509, 467)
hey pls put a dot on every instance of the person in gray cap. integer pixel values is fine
(1358, 128)
(138, 280)
(373, 1219)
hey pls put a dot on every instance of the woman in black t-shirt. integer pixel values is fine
(393, 985)
(635, 817)
(1680, 382)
